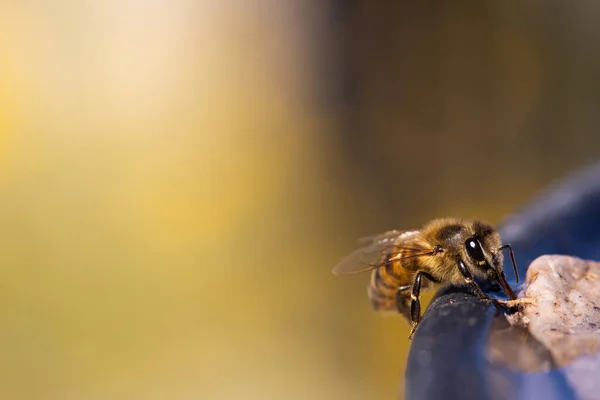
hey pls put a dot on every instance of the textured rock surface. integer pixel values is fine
(566, 315)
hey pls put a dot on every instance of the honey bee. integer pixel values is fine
(444, 251)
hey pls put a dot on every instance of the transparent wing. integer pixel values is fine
(398, 245)
(394, 234)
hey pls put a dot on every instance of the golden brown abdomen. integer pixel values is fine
(384, 285)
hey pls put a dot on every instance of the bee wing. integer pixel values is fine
(380, 236)
(399, 246)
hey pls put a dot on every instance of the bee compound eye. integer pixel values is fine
(474, 249)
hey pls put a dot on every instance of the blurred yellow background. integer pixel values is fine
(178, 178)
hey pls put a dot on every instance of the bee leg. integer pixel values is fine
(404, 288)
(402, 301)
(415, 306)
(469, 279)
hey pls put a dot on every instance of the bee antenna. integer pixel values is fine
(512, 258)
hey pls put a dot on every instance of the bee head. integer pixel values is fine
(484, 256)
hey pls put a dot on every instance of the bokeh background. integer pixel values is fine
(178, 178)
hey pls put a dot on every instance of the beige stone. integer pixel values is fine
(565, 316)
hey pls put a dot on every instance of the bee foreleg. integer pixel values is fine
(469, 279)
(415, 306)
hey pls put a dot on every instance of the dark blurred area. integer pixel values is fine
(179, 178)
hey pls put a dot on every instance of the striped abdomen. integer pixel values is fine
(384, 285)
